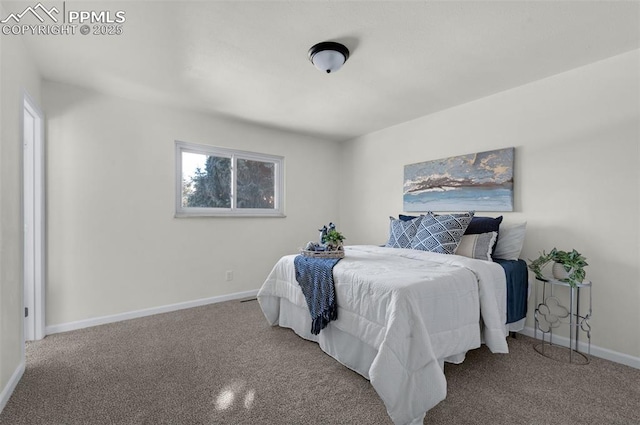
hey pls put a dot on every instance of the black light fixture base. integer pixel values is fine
(329, 45)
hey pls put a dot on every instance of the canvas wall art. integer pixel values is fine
(481, 181)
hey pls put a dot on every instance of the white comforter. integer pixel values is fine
(400, 312)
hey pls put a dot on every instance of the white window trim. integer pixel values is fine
(234, 154)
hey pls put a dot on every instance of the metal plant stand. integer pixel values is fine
(550, 314)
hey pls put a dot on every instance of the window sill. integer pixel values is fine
(228, 214)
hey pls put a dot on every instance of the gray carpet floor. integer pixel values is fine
(223, 364)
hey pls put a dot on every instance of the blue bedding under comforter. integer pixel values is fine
(517, 288)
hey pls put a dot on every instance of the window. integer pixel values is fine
(213, 181)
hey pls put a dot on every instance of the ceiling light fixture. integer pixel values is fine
(328, 56)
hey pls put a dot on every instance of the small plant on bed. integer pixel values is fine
(568, 267)
(334, 240)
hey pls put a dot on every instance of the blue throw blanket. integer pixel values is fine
(315, 276)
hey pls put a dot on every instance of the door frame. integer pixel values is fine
(33, 218)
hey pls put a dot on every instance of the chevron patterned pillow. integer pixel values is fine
(401, 233)
(441, 233)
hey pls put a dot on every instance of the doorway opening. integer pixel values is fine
(34, 220)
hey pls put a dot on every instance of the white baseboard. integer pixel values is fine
(11, 385)
(603, 353)
(95, 321)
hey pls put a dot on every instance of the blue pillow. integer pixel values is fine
(483, 225)
(441, 233)
(401, 232)
(407, 217)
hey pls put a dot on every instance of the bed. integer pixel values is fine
(402, 313)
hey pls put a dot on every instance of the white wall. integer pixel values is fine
(113, 243)
(576, 176)
(17, 73)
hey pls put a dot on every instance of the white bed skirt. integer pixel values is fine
(516, 326)
(332, 340)
(358, 357)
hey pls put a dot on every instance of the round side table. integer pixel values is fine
(550, 314)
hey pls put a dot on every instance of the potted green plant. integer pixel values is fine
(334, 239)
(568, 266)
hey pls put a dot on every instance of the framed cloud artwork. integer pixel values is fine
(480, 181)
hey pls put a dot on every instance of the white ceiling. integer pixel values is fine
(248, 60)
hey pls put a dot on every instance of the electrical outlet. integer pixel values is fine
(229, 276)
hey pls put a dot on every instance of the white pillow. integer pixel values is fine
(477, 246)
(510, 240)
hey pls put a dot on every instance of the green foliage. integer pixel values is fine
(255, 184)
(573, 262)
(211, 187)
(334, 238)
